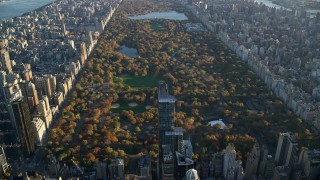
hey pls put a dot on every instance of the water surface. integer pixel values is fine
(271, 4)
(13, 8)
(313, 11)
(170, 15)
(130, 52)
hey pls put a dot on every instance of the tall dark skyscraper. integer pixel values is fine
(253, 162)
(175, 153)
(166, 110)
(3, 162)
(259, 163)
(286, 150)
(23, 124)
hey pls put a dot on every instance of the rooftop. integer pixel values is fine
(290, 136)
(163, 93)
(182, 160)
(178, 131)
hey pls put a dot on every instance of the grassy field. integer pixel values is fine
(141, 82)
(123, 106)
(136, 83)
(155, 26)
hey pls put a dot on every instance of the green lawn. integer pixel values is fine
(136, 109)
(136, 83)
(156, 26)
(141, 82)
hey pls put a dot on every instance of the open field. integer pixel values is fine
(124, 106)
(141, 82)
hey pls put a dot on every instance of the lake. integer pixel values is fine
(313, 11)
(271, 4)
(130, 52)
(170, 15)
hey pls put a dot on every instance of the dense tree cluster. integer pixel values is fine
(207, 79)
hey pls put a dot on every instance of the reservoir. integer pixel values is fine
(170, 15)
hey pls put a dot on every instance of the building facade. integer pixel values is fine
(309, 161)
(166, 109)
(286, 150)
(5, 63)
(39, 130)
(23, 123)
(44, 111)
(3, 162)
(116, 170)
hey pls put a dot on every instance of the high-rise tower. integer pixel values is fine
(166, 110)
(3, 162)
(286, 150)
(253, 162)
(23, 123)
(309, 161)
(43, 86)
(259, 163)
(175, 153)
(5, 63)
(29, 91)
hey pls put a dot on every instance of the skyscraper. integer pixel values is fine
(44, 111)
(229, 160)
(3, 162)
(217, 165)
(286, 150)
(166, 163)
(24, 71)
(11, 91)
(175, 153)
(5, 63)
(144, 164)
(23, 124)
(259, 163)
(84, 55)
(8, 91)
(253, 162)
(281, 173)
(32, 92)
(166, 109)
(309, 161)
(102, 170)
(29, 91)
(39, 130)
(266, 165)
(43, 86)
(116, 169)
(53, 82)
(2, 84)
(183, 160)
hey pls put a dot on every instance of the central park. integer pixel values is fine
(112, 111)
